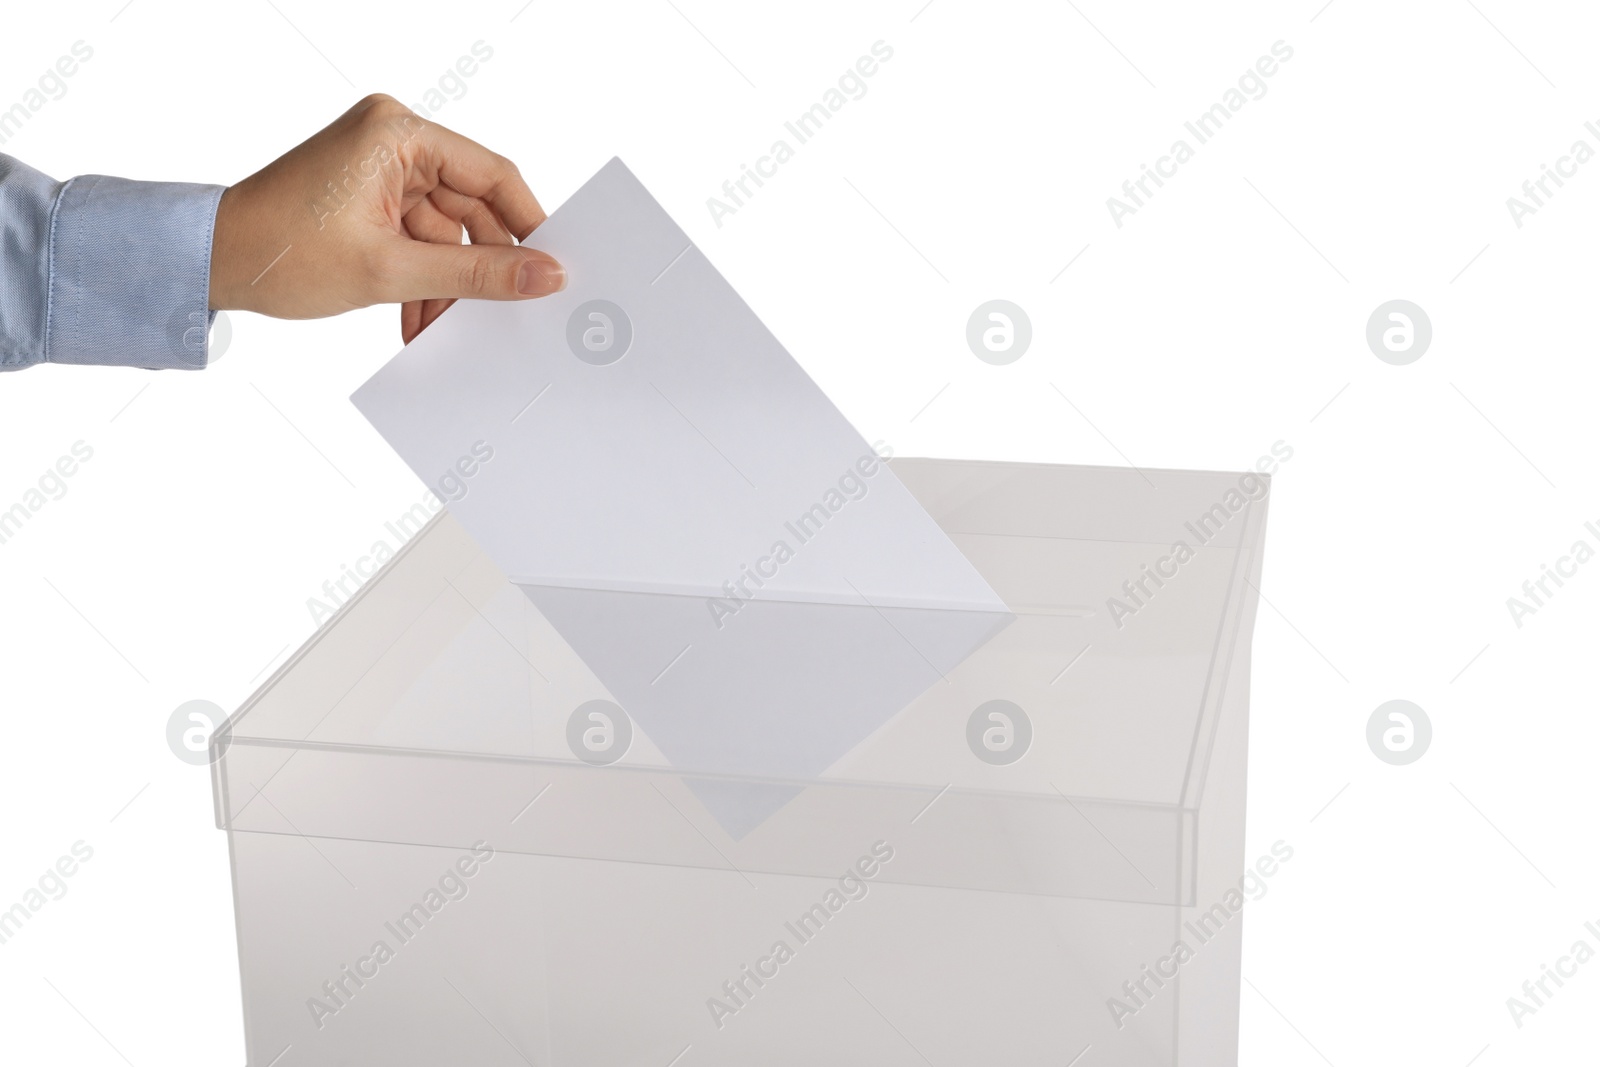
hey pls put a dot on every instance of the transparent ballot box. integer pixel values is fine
(452, 843)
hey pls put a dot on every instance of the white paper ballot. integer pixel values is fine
(688, 509)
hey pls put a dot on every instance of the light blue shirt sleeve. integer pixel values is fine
(107, 271)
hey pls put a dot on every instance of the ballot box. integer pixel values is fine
(451, 843)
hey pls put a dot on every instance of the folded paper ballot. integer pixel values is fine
(729, 557)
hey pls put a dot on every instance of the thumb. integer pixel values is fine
(425, 271)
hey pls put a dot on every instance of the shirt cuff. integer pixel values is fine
(130, 273)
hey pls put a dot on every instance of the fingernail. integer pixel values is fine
(541, 275)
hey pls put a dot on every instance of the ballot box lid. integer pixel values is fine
(1080, 750)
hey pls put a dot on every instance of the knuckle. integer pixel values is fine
(479, 275)
(377, 101)
(504, 168)
(380, 109)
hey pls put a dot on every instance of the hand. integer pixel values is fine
(370, 211)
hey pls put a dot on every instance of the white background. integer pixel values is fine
(1227, 314)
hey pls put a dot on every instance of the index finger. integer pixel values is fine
(464, 165)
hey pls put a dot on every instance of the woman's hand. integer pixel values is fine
(371, 211)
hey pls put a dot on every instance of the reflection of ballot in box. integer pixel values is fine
(453, 843)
